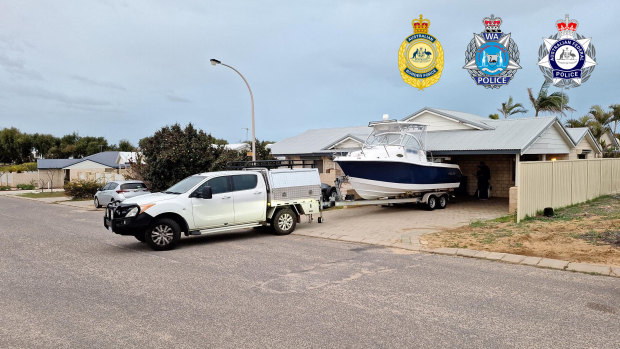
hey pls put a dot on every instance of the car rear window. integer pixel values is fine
(132, 186)
(244, 182)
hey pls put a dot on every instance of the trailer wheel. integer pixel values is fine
(443, 202)
(284, 221)
(431, 204)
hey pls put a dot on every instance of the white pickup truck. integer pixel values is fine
(215, 202)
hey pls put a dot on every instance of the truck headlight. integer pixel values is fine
(132, 213)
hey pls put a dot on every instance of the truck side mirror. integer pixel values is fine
(206, 192)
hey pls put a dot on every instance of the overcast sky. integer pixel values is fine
(125, 68)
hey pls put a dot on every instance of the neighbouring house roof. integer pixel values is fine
(47, 164)
(466, 118)
(107, 158)
(505, 136)
(577, 133)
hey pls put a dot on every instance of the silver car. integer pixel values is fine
(119, 191)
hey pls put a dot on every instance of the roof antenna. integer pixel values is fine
(386, 117)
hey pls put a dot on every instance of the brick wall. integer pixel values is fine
(501, 166)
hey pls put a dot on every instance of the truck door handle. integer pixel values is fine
(258, 193)
(226, 197)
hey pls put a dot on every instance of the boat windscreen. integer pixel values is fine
(410, 136)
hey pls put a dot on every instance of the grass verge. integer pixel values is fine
(587, 232)
(55, 194)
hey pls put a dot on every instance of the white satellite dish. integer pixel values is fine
(386, 116)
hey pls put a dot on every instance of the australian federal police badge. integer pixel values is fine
(567, 58)
(420, 58)
(492, 57)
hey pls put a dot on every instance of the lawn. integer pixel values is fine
(588, 232)
(46, 194)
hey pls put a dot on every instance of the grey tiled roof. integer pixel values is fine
(43, 164)
(106, 158)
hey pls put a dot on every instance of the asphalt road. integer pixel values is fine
(65, 281)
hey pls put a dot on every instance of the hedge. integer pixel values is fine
(81, 189)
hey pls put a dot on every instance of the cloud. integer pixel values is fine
(17, 67)
(177, 99)
(38, 92)
(93, 82)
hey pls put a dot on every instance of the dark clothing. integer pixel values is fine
(484, 175)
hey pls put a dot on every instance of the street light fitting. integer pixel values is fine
(216, 62)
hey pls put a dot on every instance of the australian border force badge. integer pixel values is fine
(492, 57)
(420, 57)
(567, 58)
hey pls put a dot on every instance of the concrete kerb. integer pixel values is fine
(83, 204)
(606, 270)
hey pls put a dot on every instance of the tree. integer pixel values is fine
(85, 146)
(556, 102)
(15, 147)
(581, 122)
(615, 111)
(508, 108)
(43, 143)
(173, 153)
(494, 116)
(125, 145)
(600, 121)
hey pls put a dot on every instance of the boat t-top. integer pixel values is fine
(393, 163)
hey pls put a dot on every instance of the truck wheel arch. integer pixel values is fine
(177, 218)
(272, 211)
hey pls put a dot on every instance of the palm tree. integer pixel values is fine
(557, 102)
(508, 108)
(583, 121)
(615, 111)
(600, 121)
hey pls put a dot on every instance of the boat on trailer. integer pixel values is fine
(393, 163)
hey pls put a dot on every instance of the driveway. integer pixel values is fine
(399, 226)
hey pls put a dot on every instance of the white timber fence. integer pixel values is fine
(563, 183)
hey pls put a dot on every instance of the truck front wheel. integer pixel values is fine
(163, 234)
(284, 221)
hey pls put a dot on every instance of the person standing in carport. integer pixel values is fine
(484, 176)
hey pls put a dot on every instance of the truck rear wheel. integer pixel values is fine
(164, 234)
(284, 221)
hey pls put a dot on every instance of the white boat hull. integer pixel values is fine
(370, 189)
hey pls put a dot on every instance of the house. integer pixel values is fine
(456, 137)
(586, 146)
(104, 166)
(608, 140)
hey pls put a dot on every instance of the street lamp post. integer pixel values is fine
(216, 62)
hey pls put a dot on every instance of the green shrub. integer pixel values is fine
(81, 189)
(4, 187)
(25, 186)
(25, 167)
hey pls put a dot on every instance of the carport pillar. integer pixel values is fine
(517, 157)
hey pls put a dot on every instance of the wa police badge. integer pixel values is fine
(492, 57)
(567, 58)
(420, 58)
